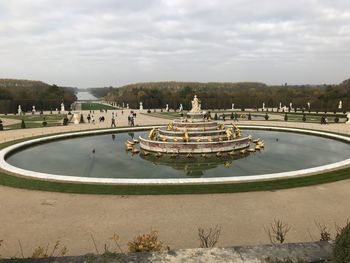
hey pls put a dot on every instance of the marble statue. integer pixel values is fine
(33, 109)
(340, 106)
(166, 107)
(19, 111)
(181, 108)
(280, 106)
(233, 106)
(62, 107)
(263, 106)
(123, 105)
(308, 104)
(141, 106)
(127, 105)
(196, 107)
(291, 105)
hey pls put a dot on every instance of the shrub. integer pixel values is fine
(336, 119)
(249, 116)
(266, 116)
(23, 125)
(216, 116)
(146, 243)
(304, 118)
(285, 117)
(209, 238)
(44, 123)
(1, 125)
(341, 251)
(65, 121)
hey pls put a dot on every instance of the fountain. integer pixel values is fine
(196, 133)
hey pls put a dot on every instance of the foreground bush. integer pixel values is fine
(341, 252)
(146, 243)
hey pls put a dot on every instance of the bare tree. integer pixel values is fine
(325, 235)
(210, 237)
(277, 231)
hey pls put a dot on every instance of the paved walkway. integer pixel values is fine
(37, 218)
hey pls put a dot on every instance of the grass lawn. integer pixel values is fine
(96, 106)
(34, 121)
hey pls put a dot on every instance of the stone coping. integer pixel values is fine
(178, 181)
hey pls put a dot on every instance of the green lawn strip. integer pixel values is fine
(13, 181)
(50, 117)
(96, 106)
(34, 184)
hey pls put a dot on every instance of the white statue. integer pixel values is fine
(141, 106)
(263, 106)
(19, 111)
(340, 106)
(62, 107)
(280, 105)
(33, 109)
(181, 108)
(166, 107)
(291, 105)
(123, 105)
(233, 106)
(309, 104)
(76, 118)
(196, 107)
(127, 105)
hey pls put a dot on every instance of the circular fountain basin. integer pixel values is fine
(288, 153)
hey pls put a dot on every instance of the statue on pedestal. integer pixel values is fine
(308, 104)
(19, 111)
(167, 107)
(141, 106)
(340, 106)
(181, 108)
(33, 109)
(62, 108)
(263, 106)
(233, 106)
(127, 105)
(196, 106)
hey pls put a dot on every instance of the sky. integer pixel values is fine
(94, 43)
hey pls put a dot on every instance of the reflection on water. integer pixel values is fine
(194, 166)
(75, 157)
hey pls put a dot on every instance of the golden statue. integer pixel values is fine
(152, 134)
(237, 131)
(186, 137)
(228, 133)
(169, 127)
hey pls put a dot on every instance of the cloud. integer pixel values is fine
(114, 42)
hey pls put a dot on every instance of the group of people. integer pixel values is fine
(131, 118)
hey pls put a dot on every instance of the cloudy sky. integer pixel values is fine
(88, 43)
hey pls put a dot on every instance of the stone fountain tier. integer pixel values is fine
(214, 135)
(195, 116)
(195, 126)
(194, 147)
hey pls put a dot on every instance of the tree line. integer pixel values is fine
(222, 95)
(14, 92)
